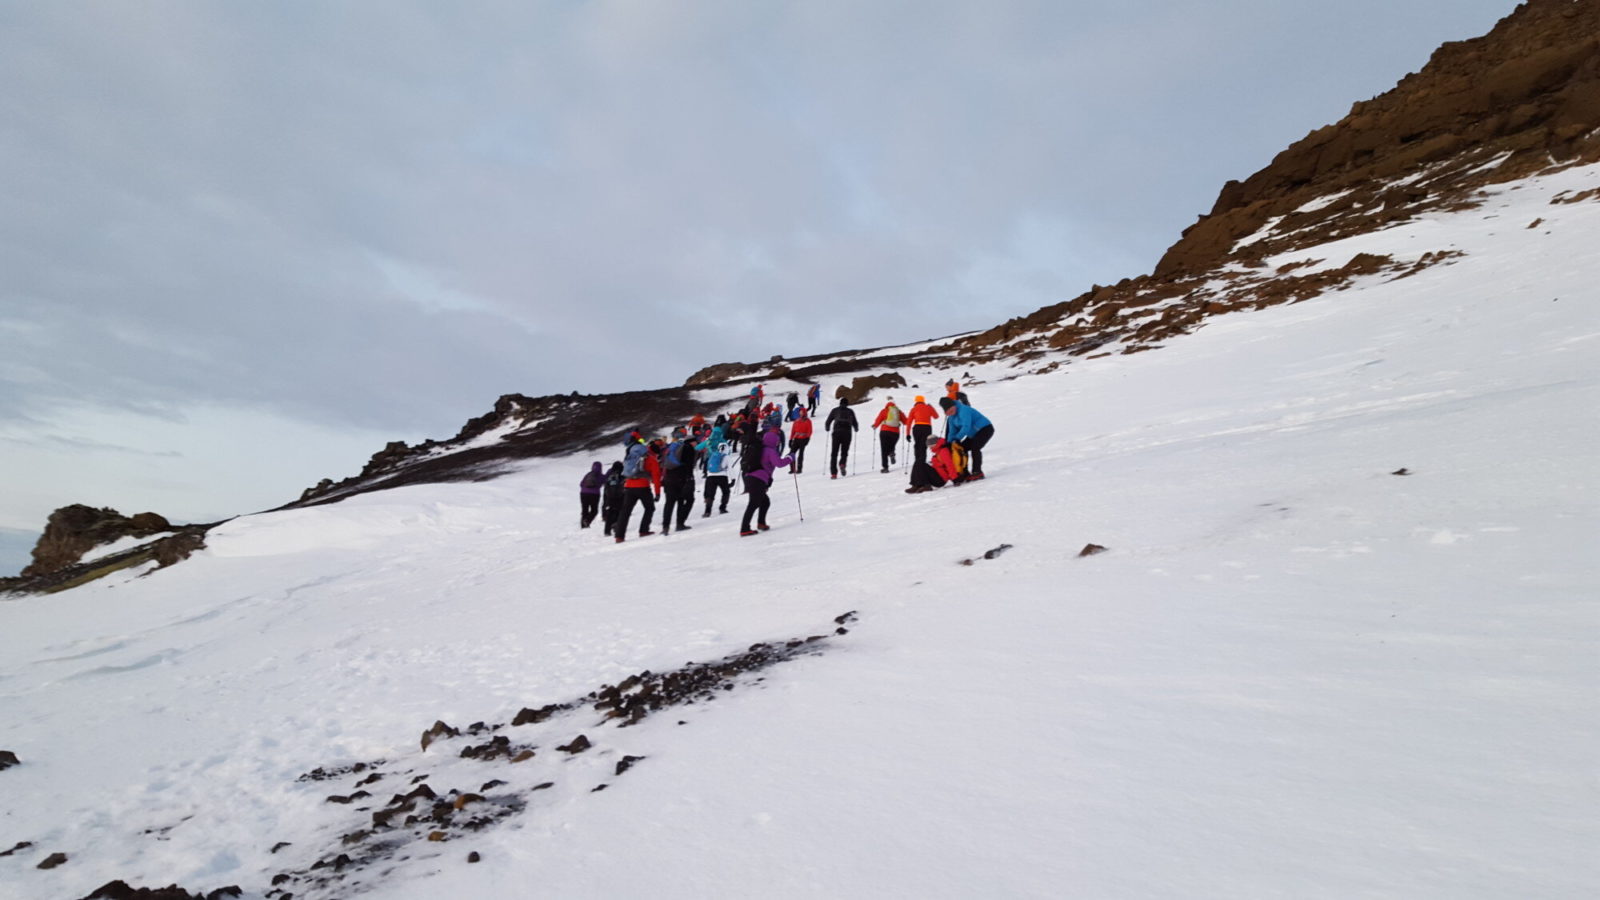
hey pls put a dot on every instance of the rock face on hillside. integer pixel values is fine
(74, 530)
(1529, 90)
(1521, 99)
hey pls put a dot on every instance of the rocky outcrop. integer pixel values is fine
(74, 530)
(1529, 91)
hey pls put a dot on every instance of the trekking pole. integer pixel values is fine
(797, 505)
(855, 456)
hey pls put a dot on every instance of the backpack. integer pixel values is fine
(750, 456)
(958, 458)
(614, 482)
(714, 458)
(633, 466)
(674, 456)
(892, 416)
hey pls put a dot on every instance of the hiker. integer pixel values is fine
(813, 397)
(926, 476)
(589, 495)
(758, 469)
(841, 426)
(677, 481)
(716, 459)
(954, 392)
(799, 437)
(792, 402)
(754, 403)
(612, 497)
(888, 423)
(970, 430)
(641, 474)
(920, 419)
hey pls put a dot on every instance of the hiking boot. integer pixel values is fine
(747, 533)
(884, 470)
(764, 526)
(620, 538)
(646, 533)
(706, 514)
(723, 510)
(834, 475)
(682, 527)
(975, 476)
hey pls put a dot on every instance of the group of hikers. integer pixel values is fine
(750, 445)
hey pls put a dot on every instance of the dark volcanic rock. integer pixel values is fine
(8, 759)
(74, 530)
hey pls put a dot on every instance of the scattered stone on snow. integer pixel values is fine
(1401, 471)
(1091, 550)
(576, 746)
(626, 763)
(473, 857)
(439, 730)
(8, 759)
(53, 860)
(119, 890)
(19, 845)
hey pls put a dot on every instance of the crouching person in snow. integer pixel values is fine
(971, 429)
(611, 497)
(589, 495)
(642, 484)
(758, 477)
(925, 476)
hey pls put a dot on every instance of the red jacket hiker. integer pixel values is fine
(890, 418)
(801, 428)
(921, 413)
(652, 468)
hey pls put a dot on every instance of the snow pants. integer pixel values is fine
(919, 441)
(715, 483)
(630, 496)
(588, 507)
(759, 502)
(924, 475)
(841, 452)
(678, 496)
(798, 447)
(886, 443)
(974, 447)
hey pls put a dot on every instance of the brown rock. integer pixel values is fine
(53, 860)
(1091, 550)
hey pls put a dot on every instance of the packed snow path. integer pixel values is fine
(1293, 674)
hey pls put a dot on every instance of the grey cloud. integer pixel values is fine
(208, 202)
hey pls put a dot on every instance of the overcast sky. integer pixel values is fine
(244, 244)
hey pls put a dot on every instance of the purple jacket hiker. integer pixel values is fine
(592, 482)
(756, 483)
(589, 495)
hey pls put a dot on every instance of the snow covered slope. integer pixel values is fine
(1293, 674)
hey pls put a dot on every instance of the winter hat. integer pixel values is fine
(678, 432)
(634, 435)
(946, 402)
(921, 399)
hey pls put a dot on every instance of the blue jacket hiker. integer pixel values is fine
(715, 457)
(971, 429)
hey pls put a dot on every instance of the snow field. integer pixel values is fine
(1294, 674)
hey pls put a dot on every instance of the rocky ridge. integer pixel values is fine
(1522, 99)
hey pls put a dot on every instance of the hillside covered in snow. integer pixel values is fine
(1339, 640)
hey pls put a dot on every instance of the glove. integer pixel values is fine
(658, 495)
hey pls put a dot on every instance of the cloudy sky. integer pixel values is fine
(243, 245)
